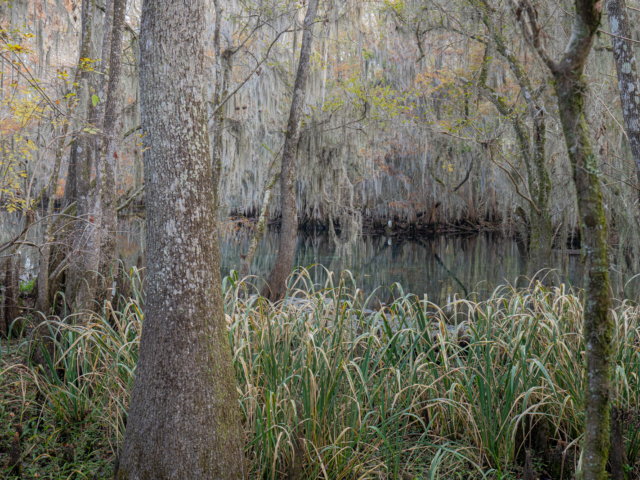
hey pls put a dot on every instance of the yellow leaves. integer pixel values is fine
(7, 35)
(447, 167)
(24, 110)
(86, 64)
(16, 48)
(16, 147)
(397, 6)
(14, 202)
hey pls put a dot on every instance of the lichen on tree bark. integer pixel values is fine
(184, 416)
(571, 88)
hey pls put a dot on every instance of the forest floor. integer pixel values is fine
(46, 447)
(411, 391)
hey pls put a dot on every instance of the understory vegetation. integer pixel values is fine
(330, 387)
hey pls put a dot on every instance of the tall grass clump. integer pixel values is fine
(330, 387)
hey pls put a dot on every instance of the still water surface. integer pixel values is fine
(439, 267)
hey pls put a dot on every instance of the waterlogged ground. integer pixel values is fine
(363, 399)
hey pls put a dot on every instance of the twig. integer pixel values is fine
(131, 130)
(533, 32)
(624, 131)
(466, 177)
(128, 202)
(266, 57)
(27, 224)
(515, 184)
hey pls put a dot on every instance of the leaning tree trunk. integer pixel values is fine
(277, 282)
(184, 417)
(623, 51)
(532, 148)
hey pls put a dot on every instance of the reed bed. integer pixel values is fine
(332, 388)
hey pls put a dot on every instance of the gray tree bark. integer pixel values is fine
(184, 416)
(70, 193)
(85, 257)
(627, 73)
(571, 88)
(108, 157)
(223, 65)
(106, 53)
(43, 301)
(82, 278)
(276, 286)
(598, 326)
(11, 295)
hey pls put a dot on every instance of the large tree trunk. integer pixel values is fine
(571, 90)
(623, 51)
(277, 282)
(184, 416)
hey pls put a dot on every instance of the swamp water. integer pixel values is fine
(443, 267)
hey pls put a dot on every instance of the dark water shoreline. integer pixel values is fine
(440, 265)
